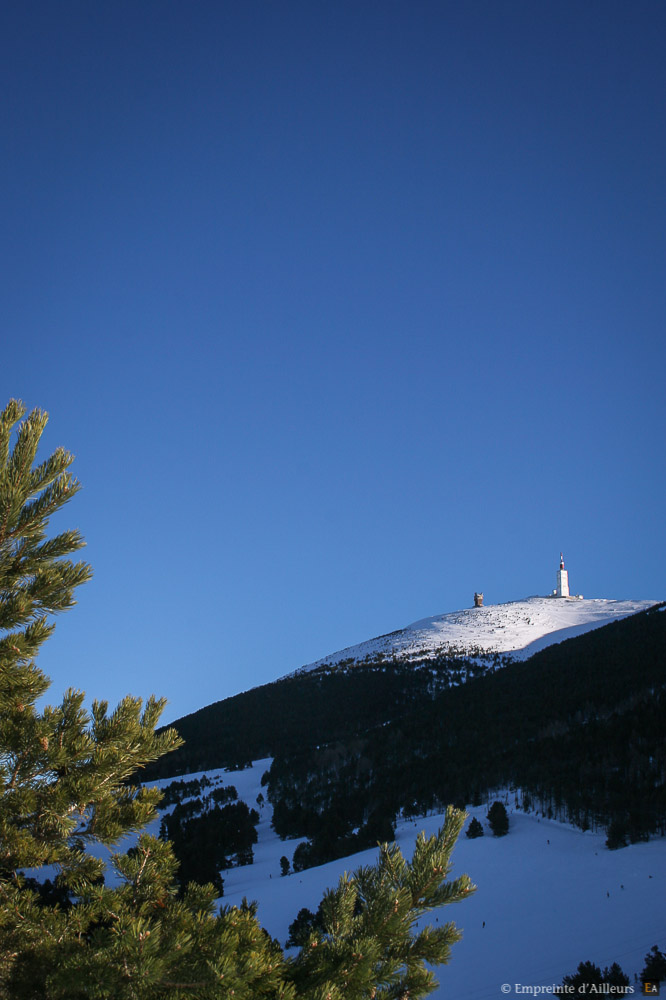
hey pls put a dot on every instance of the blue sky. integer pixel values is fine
(346, 309)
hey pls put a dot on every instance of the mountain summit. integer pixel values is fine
(514, 630)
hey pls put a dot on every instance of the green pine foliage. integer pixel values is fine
(64, 773)
(67, 784)
(367, 941)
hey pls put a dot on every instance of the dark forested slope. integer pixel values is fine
(306, 709)
(579, 728)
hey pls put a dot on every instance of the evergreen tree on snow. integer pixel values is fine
(475, 829)
(498, 819)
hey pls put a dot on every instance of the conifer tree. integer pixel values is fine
(63, 773)
(588, 979)
(655, 966)
(67, 782)
(498, 819)
(475, 829)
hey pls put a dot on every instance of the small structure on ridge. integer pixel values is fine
(478, 600)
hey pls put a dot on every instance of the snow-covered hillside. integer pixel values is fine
(515, 630)
(548, 897)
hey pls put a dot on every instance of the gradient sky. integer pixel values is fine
(346, 309)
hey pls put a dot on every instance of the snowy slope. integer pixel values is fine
(551, 897)
(515, 630)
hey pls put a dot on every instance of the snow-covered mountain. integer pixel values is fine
(514, 630)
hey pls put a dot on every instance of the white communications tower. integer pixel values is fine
(562, 580)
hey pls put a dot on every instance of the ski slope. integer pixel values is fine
(550, 896)
(515, 630)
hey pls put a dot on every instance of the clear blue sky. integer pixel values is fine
(346, 309)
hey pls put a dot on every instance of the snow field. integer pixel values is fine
(551, 896)
(520, 628)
